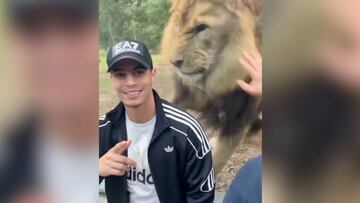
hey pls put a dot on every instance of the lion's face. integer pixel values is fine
(199, 42)
(204, 40)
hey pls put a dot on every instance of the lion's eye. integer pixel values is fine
(201, 28)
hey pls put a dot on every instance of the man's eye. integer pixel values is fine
(139, 72)
(120, 75)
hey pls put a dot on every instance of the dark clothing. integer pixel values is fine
(17, 168)
(246, 187)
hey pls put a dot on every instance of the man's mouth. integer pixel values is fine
(132, 93)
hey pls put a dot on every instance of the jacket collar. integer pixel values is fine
(118, 113)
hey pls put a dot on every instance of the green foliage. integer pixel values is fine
(143, 20)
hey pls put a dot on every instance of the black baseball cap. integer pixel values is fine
(129, 49)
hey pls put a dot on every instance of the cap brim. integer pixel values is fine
(120, 58)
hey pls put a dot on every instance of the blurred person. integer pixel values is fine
(339, 55)
(311, 147)
(50, 155)
(150, 150)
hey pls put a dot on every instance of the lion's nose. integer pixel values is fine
(177, 63)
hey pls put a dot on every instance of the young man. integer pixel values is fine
(150, 151)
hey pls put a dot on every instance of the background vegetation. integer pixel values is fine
(143, 20)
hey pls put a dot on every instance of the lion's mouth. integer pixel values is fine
(194, 72)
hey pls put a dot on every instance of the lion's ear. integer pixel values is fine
(255, 6)
(179, 10)
(180, 5)
(174, 5)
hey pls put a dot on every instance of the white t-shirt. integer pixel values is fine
(140, 181)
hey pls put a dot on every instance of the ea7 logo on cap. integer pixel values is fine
(126, 46)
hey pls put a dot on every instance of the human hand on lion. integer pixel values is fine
(252, 63)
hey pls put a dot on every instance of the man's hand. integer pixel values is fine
(113, 163)
(253, 65)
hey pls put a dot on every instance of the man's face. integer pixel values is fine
(58, 55)
(341, 54)
(132, 82)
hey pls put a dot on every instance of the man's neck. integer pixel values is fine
(142, 113)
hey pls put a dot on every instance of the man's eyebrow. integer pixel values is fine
(117, 70)
(139, 66)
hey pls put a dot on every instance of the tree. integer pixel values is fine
(143, 20)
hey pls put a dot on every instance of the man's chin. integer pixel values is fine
(132, 105)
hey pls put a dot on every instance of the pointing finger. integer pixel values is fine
(120, 147)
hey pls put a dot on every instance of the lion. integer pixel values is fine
(203, 40)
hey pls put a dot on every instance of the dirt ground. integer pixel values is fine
(245, 151)
(164, 85)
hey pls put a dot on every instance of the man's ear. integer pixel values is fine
(153, 73)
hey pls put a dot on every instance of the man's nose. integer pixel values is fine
(130, 80)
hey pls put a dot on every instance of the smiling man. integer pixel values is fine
(150, 151)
